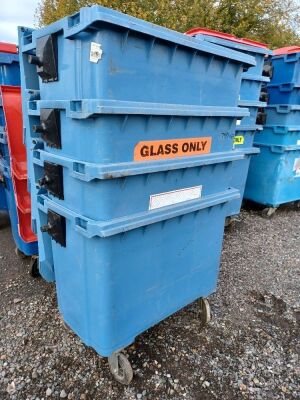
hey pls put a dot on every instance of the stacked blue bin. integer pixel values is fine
(250, 96)
(131, 168)
(274, 176)
(10, 75)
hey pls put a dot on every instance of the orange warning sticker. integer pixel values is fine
(160, 149)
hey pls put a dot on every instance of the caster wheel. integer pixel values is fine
(20, 254)
(120, 368)
(228, 222)
(297, 205)
(205, 311)
(268, 212)
(34, 267)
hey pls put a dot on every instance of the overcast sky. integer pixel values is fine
(15, 13)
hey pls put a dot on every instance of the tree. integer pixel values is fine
(275, 22)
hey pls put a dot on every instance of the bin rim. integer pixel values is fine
(87, 17)
(104, 229)
(278, 148)
(285, 107)
(283, 128)
(251, 103)
(255, 77)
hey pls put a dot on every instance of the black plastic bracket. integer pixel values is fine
(261, 118)
(53, 179)
(50, 127)
(268, 70)
(46, 58)
(264, 96)
(56, 227)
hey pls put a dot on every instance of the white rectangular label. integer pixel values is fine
(297, 167)
(298, 142)
(95, 52)
(238, 122)
(174, 197)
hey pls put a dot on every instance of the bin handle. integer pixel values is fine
(283, 109)
(86, 108)
(286, 87)
(90, 171)
(91, 228)
(279, 149)
(279, 129)
(293, 57)
(282, 149)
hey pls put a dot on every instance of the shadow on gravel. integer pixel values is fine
(4, 220)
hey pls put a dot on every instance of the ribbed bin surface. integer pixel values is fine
(249, 97)
(286, 65)
(255, 49)
(285, 93)
(283, 114)
(128, 59)
(279, 135)
(251, 86)
(274, 176)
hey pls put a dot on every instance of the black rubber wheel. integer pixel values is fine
(228, 222)
(120, 368)
(20, 254)
(268, 212)
(34, 267)
(205, 311)
(297, 205)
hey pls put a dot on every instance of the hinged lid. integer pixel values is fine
(286, 50)
(227, 36)
(8, 48)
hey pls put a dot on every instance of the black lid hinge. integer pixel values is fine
(56, 227)
(53, 179)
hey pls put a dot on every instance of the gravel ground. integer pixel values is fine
(250, 350)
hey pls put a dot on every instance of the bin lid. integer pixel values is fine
(8, 48)
(286, 50)
(226, 36)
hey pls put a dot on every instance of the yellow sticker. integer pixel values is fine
(239, 140)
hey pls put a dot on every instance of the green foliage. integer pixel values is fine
(275, 22)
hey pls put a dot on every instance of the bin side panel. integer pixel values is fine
(112, 289)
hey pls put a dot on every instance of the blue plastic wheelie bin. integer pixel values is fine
(19, 218)
(274, 176)
(250, 97)
(131, 168)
